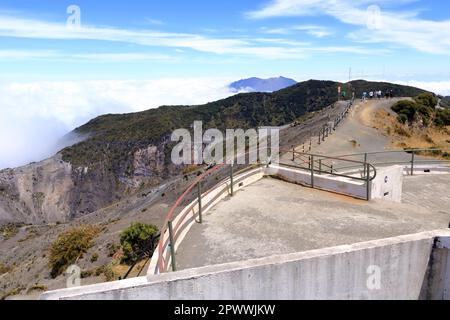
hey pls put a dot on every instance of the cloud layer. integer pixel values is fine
(34, 116)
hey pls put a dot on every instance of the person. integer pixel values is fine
(364, 96)
(371, 95)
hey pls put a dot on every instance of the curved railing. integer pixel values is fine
(174, 226)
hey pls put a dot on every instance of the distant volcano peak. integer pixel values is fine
(262, 85)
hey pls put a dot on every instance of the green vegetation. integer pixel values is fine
(4, 268)
(10, 230)
(107, 271)
(70, 246)
(445, 102)
(94, 257)
(423, 109)
(135, 239)
(37, 287)
(10, 293)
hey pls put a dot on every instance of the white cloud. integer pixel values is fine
(37, 29)
(34, 116)
(438, 87)
(399, 27)
(317, 31)
(9, 55)
(313, 30)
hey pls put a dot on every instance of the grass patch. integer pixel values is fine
(4, 268)
(37, 287)
(10, 230)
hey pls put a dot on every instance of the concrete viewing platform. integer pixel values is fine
(271, 217)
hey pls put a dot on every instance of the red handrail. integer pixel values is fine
(169, 215)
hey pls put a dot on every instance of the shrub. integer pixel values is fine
(94, 257)
(406, 109)
(442, 118)
(69, 246)
(107, 271)
(402, 118)
(135, 239)
(4, 268)
(427, 100)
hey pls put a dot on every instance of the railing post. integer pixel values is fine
(365, 162)
(312, 171)
(320, 138)
(367, 181)
(231, 180)
(320, 166)
(199, 195)
(412, 163)
(172, 246)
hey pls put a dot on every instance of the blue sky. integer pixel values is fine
(134, 55)
(298, 38)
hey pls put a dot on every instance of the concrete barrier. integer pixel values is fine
(394, 268)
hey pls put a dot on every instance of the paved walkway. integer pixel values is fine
(272, 217)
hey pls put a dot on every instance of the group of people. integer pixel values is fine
(377, 95)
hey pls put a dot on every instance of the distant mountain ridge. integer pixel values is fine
(262, 85)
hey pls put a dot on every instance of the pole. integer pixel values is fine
(172, 246)
(320, 166)
(312, 171)
(231, 180)
(412, 163)
(293, 153)
(365, 163)
(199, 195)
(368, 181)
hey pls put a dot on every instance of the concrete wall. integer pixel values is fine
(394, 268)
(327, 182)
(388, 184)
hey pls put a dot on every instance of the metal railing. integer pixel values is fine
(166, 258)
(315, 164)
(412, 158)
(327, 129)
(320, 165)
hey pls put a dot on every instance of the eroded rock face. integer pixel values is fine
(36, 193)
(53, 191)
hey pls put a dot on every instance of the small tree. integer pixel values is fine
(69, 246)
(135, 239)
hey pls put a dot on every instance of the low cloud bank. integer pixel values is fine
(35, 116)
